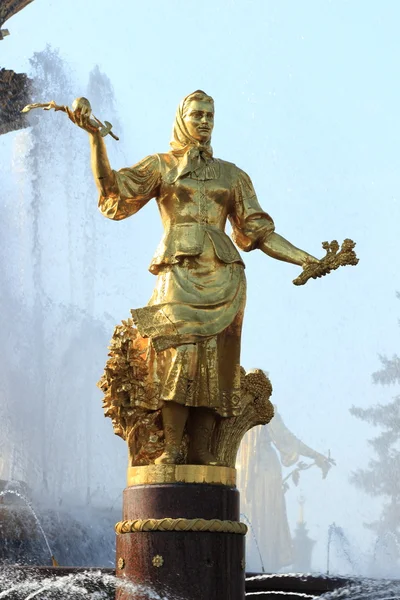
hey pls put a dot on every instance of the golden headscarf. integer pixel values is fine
(193, 156)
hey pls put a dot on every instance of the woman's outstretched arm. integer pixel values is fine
(278, 247)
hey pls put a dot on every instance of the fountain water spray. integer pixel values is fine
(53, 340)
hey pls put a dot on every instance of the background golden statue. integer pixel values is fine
(262, 453)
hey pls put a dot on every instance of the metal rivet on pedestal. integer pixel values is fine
(121, 563)
(243, 564)
(157, 561)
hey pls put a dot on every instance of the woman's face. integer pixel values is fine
(199, 120)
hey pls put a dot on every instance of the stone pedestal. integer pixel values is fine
(182, 538)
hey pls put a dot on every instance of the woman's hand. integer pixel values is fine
(309, 260)
(324, 463)
(81, 115)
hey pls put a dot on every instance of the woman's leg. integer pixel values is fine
(201, 426)
(174, 420)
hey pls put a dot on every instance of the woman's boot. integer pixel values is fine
(202, 422)
(174, 420)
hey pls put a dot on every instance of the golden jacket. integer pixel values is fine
(192, 208)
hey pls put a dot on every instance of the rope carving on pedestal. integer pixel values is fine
(212, 525)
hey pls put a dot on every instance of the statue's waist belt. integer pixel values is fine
(188, 239)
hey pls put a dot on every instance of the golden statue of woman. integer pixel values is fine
(194, 317)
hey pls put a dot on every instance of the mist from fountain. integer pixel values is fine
(33, 513)
(336, 535)
(358, 589)
(92, 585)
(367, 589)
(95, 585)
(254, 537)
(53, 435)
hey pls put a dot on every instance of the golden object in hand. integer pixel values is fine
(80, 103)
(77, 105)
(333, 259)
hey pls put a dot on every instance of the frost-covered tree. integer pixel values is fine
(381, 477)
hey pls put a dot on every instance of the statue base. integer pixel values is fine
(152, 474)
(182, 540)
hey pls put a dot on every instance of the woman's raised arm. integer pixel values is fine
(101, 168)
(278, 247)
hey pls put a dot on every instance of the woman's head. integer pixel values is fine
(194, 121)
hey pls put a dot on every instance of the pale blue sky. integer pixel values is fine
(307, 96)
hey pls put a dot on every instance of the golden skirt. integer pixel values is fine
(193, 323)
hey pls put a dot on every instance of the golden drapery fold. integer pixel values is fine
(133, 188)
(250, 224)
